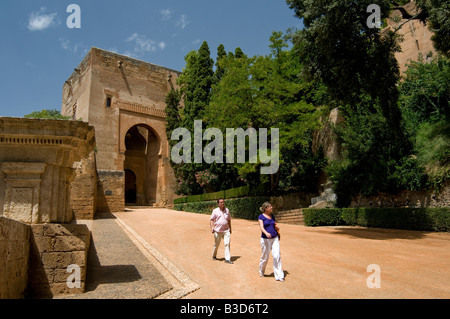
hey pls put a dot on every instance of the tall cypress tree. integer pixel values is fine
(195, 83)
(173, 117)
(220, 70)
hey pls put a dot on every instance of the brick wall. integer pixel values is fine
(53, 248)
(14, 252)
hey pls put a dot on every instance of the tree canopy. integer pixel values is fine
(47, 114)
(395, 134)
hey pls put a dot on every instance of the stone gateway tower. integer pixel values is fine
(124, 100)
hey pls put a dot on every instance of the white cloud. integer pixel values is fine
(80, 49)
(182, 22)
(162, 45)
(142, 45)
(40, 20)
(165, 14)
(66, 45)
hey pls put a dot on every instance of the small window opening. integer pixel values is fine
(108, 101)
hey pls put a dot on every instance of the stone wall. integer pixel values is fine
(84, 188)
(291, 201)
(116, 93)
(425, 198)
(36, 167)
(416, 37)
(111, 191)
(14, 252)
(54, 247)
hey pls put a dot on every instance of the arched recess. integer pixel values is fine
(141, 157)
(130, 187)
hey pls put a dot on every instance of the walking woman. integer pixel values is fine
(270, 241)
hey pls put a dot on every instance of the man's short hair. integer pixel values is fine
(219, 200)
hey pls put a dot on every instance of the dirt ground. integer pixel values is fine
(319, 262)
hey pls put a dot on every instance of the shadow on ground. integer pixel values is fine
(379, 233)
(107, 274)
(116, 268)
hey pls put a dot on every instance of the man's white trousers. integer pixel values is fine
(226, 240)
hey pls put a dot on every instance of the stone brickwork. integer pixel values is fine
(37, 160)
(55, 247)
(36, 167)
(425, 198)
(416, 37)
(14, 252)
(124, 99)
(84, 189)
(111, 191)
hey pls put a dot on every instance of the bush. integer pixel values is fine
(323, 217)
(229, 193)
(245, 207)
(197, 207)
(428, 219)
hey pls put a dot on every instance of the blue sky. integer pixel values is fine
(39, 51)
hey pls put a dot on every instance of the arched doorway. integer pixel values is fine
(141, 160)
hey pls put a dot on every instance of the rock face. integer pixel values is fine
(326, 138)
(326, 199)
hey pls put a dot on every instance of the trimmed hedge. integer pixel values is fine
(229, 193)
(429, 219)
(244, 207)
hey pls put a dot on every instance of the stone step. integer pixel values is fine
(294, 216)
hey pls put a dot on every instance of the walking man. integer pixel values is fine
(220, 224)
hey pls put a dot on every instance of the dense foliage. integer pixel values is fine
(257, 92)
(47, 114)
(396, 131)
(424, 100)
(429, 219)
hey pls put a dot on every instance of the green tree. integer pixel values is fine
(371, 162)
(425, 92)
(338, 47)
(196, 82)
(221, 53)
(195, 88)
(47, 114)
(357, 65)
(424, 100)
(437, 15)
(264, 92)
(173, 118)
